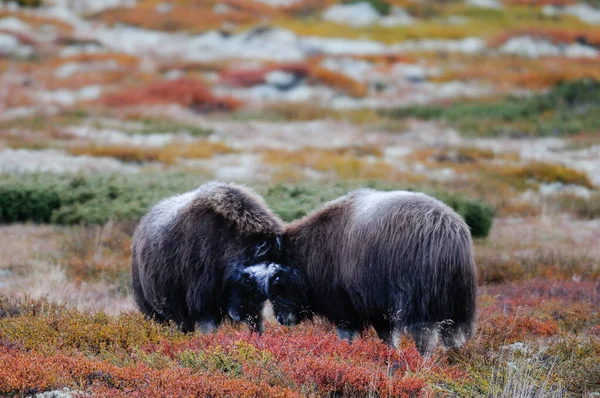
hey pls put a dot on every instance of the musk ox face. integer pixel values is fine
(247, 296)
(287, 291)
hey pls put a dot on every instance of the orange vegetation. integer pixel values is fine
(192, 16)
(521, 72)
(314, 73)
(540, 2)
(590, 36)
(187, 92)
(37, 21)
(169, 154)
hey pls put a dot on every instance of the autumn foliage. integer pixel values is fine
(186, 92)
(46, 346)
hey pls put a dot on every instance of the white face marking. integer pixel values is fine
(261, 273)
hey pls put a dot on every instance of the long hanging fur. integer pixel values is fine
(190, 249)
(399, 261)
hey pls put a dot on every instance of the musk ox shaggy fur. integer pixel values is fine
(398, 261)
(194, 253)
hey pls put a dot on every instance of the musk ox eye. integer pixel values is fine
(276, 281)
(246, 280)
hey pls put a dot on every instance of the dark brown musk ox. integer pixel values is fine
(398, 261)
(195, 255)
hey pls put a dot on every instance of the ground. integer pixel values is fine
(108, 106)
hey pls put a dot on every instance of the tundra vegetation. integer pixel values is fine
(106, 107)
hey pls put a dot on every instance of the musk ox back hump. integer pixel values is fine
(421, 249)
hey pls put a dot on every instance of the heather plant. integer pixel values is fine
(532, 336)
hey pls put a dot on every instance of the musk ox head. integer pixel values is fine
(247, 296)
(288, 292)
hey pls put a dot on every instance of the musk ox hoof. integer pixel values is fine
(347, 334)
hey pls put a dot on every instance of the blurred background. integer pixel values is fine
(108, 106)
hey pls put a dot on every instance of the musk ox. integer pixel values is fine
(194, 253)
(398, 261)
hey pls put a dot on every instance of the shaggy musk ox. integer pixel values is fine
(195, 256)
(398, 261)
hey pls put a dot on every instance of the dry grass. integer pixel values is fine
(541, 172)
(193, 16)
(38, 21)
(99, 253)
(346, 163)
(516, 72)
(200, 149)
(544, 246)
(589, 35)
(37, 265)
(17, 138)
(338, 81)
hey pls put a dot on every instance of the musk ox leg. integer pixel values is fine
(207, 326)
(454, 336)
(387, 333)
(345, 333)
(256, 324)
(188, 326)
(425, 337)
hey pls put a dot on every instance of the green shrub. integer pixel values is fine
(292, 201)
(96, 199)
(568, 108)
(380, 6)
(91, 199)
(27, 199)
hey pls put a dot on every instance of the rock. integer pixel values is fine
(71, 68)
(9, 44)
(531, 47)
(583, 11)
(64, 393)
(413, 73)
(15, 24)
(560, 188)
(21, 161)
(70, 97)
(355, 68)
(356, 15)
(164, 8)
(90, 6)
(339, 46)
(494, 4)
(278, 3)
(397, 17)
(468, 45)
(281, 80)
(221, 8)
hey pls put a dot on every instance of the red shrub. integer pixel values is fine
(252, 77)
(186, 92)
